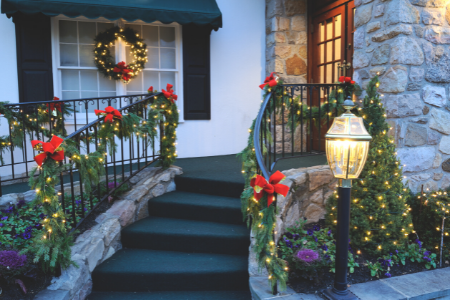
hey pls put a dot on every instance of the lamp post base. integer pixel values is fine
(333, 294)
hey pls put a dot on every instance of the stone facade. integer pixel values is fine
(100, 242)
(309, 191)
(407, 43)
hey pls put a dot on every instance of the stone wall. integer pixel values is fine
(309, 191)
(100, 242)
(407, 43)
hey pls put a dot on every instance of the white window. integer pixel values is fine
(74, 72)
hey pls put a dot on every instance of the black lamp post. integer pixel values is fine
(347, 146)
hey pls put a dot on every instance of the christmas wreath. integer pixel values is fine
(106, 63)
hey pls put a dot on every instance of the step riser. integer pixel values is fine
(170, 282)
(200, 244)
(209, 187)
(191, 212)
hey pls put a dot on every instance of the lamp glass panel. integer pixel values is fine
(346, 158)
(340, 126)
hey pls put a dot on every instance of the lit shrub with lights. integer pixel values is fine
(380, 217)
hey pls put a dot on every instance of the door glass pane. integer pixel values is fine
(151, 36)
(167, 58)
(329, 28)
(321, 53)
(168, 77)
(135, 84)
(87, 56)
(153, 58)
(167, 35)
(88, 80)
(86, 32)
(137, 28)
(67, 31)
(337, 49)
(337, 26)
(322, 32)
(321, 74)
(336, 72)
(106, 84)
(70, 80)
(70, 95)
(69, 55)
(329, 74)
(329, 49)
(151, 78)
(103, 26)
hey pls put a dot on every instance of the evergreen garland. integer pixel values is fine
(380, 216)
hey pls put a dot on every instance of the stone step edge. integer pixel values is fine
(424, 285)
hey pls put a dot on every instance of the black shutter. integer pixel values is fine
(34, 57)
(196, 72)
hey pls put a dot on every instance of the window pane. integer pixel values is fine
(153, 58)
(322, 53)
(129, 57)
(329, 51)
(103, 26)
(337, 26)
(88, 80)
(167, 36)
(70, 95)
(69, 55)
(106, 84)
(86, 32)
(322, 32)
(329, 78)
(69, 80)
(137, 28)
(151, 79)
(321, 74)
(108, 94)
(151, 36)
(85, 94)
(329, 28)
(337, 47)
(168, 77)
(87, 56)
(135, 84)
(67, 31)
(167, 58)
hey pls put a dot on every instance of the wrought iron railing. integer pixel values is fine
(130, 157)
(286, 126)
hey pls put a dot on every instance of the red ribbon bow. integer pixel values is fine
(50, 150)
(169, 93)
(261, 186)
(270, 80)
(344, 79)
(52, 106)
(150, 89)
(122, 68)
(110, 112)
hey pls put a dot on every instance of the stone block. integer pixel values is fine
(110, 229)
(392, 32)
(373, 26)
(438, 63)
(399, 106)
(124, 210)
(377, 71)
(261, 290)
(52, 295)
(437, 176)
(298, 23)
(444, 145)
(318, 178)
(406, 50)
(72, 278)
(373, 290)
(416, 135)
(363, 15)
(274, 8)
(440, 121)
(142, 211)
(416, 159)
(445, 183)
(298, 178)
(294, 7)
(413, 86)
(303, 51)
(381, 55)
(137, 193)
(279, 37)
(416, 74)
(437, 35)
(378, 11)
(313, 213)
(282, 51)
(295, 66)
(158, 190)
(360, 59)
(7, 200)
(437, 160)
(317, 197)
(171, 187)
(394, 80)
(280, 24)
(401, 11)
(429, 3)
(432, 16)
(358, 38)
(434, 95)
(433, 137)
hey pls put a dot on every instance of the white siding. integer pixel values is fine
(9, 88)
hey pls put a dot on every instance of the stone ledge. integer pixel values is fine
(260, 289)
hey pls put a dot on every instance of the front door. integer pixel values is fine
(331, 46)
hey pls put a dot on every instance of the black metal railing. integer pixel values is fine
(131, 155)
(286, 126)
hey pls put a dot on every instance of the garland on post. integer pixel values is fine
(260, 215)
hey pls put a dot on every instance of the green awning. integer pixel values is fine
(199, 12)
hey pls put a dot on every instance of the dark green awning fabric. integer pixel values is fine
(199, 12)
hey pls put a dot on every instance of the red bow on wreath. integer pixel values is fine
(110, 112)
(122, 69)
(169, 93)
(52, 106)
(344, 79)
(51, 149)
(270, 80)
(150, 89)
(261, 186)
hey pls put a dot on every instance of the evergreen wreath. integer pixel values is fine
(106, 63)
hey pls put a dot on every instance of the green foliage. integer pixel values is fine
(380, 218)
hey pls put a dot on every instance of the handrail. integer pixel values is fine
(256, 141)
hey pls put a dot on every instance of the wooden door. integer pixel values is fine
(331, 43)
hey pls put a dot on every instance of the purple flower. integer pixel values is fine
(307, 255)
(310, 232)
(4, 218)
(42, 216)
(12, 259)
(396, 251)
(1, 225)
(315, 238)
(316, 227)
(427, 253)
(324, 247)
(419, 242)
(289, 235)
(427, 258)
(296, 237)
(288, 242)
(112, 185)
(329, 232)
(388, 275)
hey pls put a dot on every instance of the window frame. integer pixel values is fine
(120, 55)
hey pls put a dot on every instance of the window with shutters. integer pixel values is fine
(74, 72)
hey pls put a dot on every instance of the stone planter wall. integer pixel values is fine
(310, 188)
(407, 43)
(100, 242)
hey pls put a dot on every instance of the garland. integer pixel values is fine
(106, 63)
(260, 215)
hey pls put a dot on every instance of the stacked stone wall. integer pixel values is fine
(407, 44)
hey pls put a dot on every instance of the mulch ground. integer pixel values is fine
(34, 284)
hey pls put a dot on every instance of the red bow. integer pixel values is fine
(52, 106)
(169, 93)
(270, 80)
(260, 185)
(122, 68)
(110, 112)
(150, 89)
(344, 79)
(50, 150)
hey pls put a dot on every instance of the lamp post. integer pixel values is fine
(347, 146)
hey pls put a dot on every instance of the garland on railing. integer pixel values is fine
(52, 249)
(260, 216)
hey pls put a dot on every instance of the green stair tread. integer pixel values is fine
(186, 235)
(149, 270)
(195, 199)
(180, 295)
